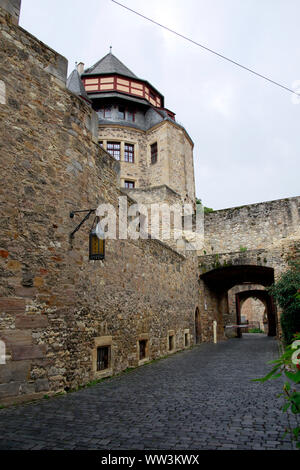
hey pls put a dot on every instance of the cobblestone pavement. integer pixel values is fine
(202, 398)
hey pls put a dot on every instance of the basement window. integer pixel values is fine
(129, 184)
(143, 349)
(171, 342)
(103, 357)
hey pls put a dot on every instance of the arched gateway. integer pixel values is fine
(216, 284)
(266, 299)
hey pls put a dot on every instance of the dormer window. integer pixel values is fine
(107, 112)
(130, 115)
(121, 112)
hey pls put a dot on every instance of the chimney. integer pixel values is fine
(13, 7)
(80, 68)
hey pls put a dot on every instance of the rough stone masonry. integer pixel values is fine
(57, 308)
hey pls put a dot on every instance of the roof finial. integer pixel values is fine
(110, 48)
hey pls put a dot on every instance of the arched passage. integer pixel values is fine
(254, 313)
(216, 284)
(267, 300)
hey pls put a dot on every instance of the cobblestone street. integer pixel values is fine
(197, 399)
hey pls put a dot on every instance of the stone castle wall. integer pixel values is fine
(56, 306)
(252, 227)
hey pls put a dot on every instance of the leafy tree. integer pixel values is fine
(286, 291)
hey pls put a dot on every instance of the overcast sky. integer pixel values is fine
(246, 131)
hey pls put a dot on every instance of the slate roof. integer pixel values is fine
(109, 64)
(75, 85)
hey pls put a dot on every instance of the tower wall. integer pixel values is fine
(174, 166)
(136, 171)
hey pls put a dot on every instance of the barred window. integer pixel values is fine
(103, 357)
(129, 153)
(114, 148)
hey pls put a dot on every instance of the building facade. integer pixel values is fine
(67, 320)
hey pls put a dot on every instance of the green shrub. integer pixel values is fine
(255, 330)
(289, 365)
(286, 292)
(206, 210)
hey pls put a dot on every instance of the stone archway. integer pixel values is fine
(218, 281)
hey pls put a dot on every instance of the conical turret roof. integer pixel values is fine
(109, 64)
(75, 85)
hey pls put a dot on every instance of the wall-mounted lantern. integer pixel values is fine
(96, 236)
(97, 242)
